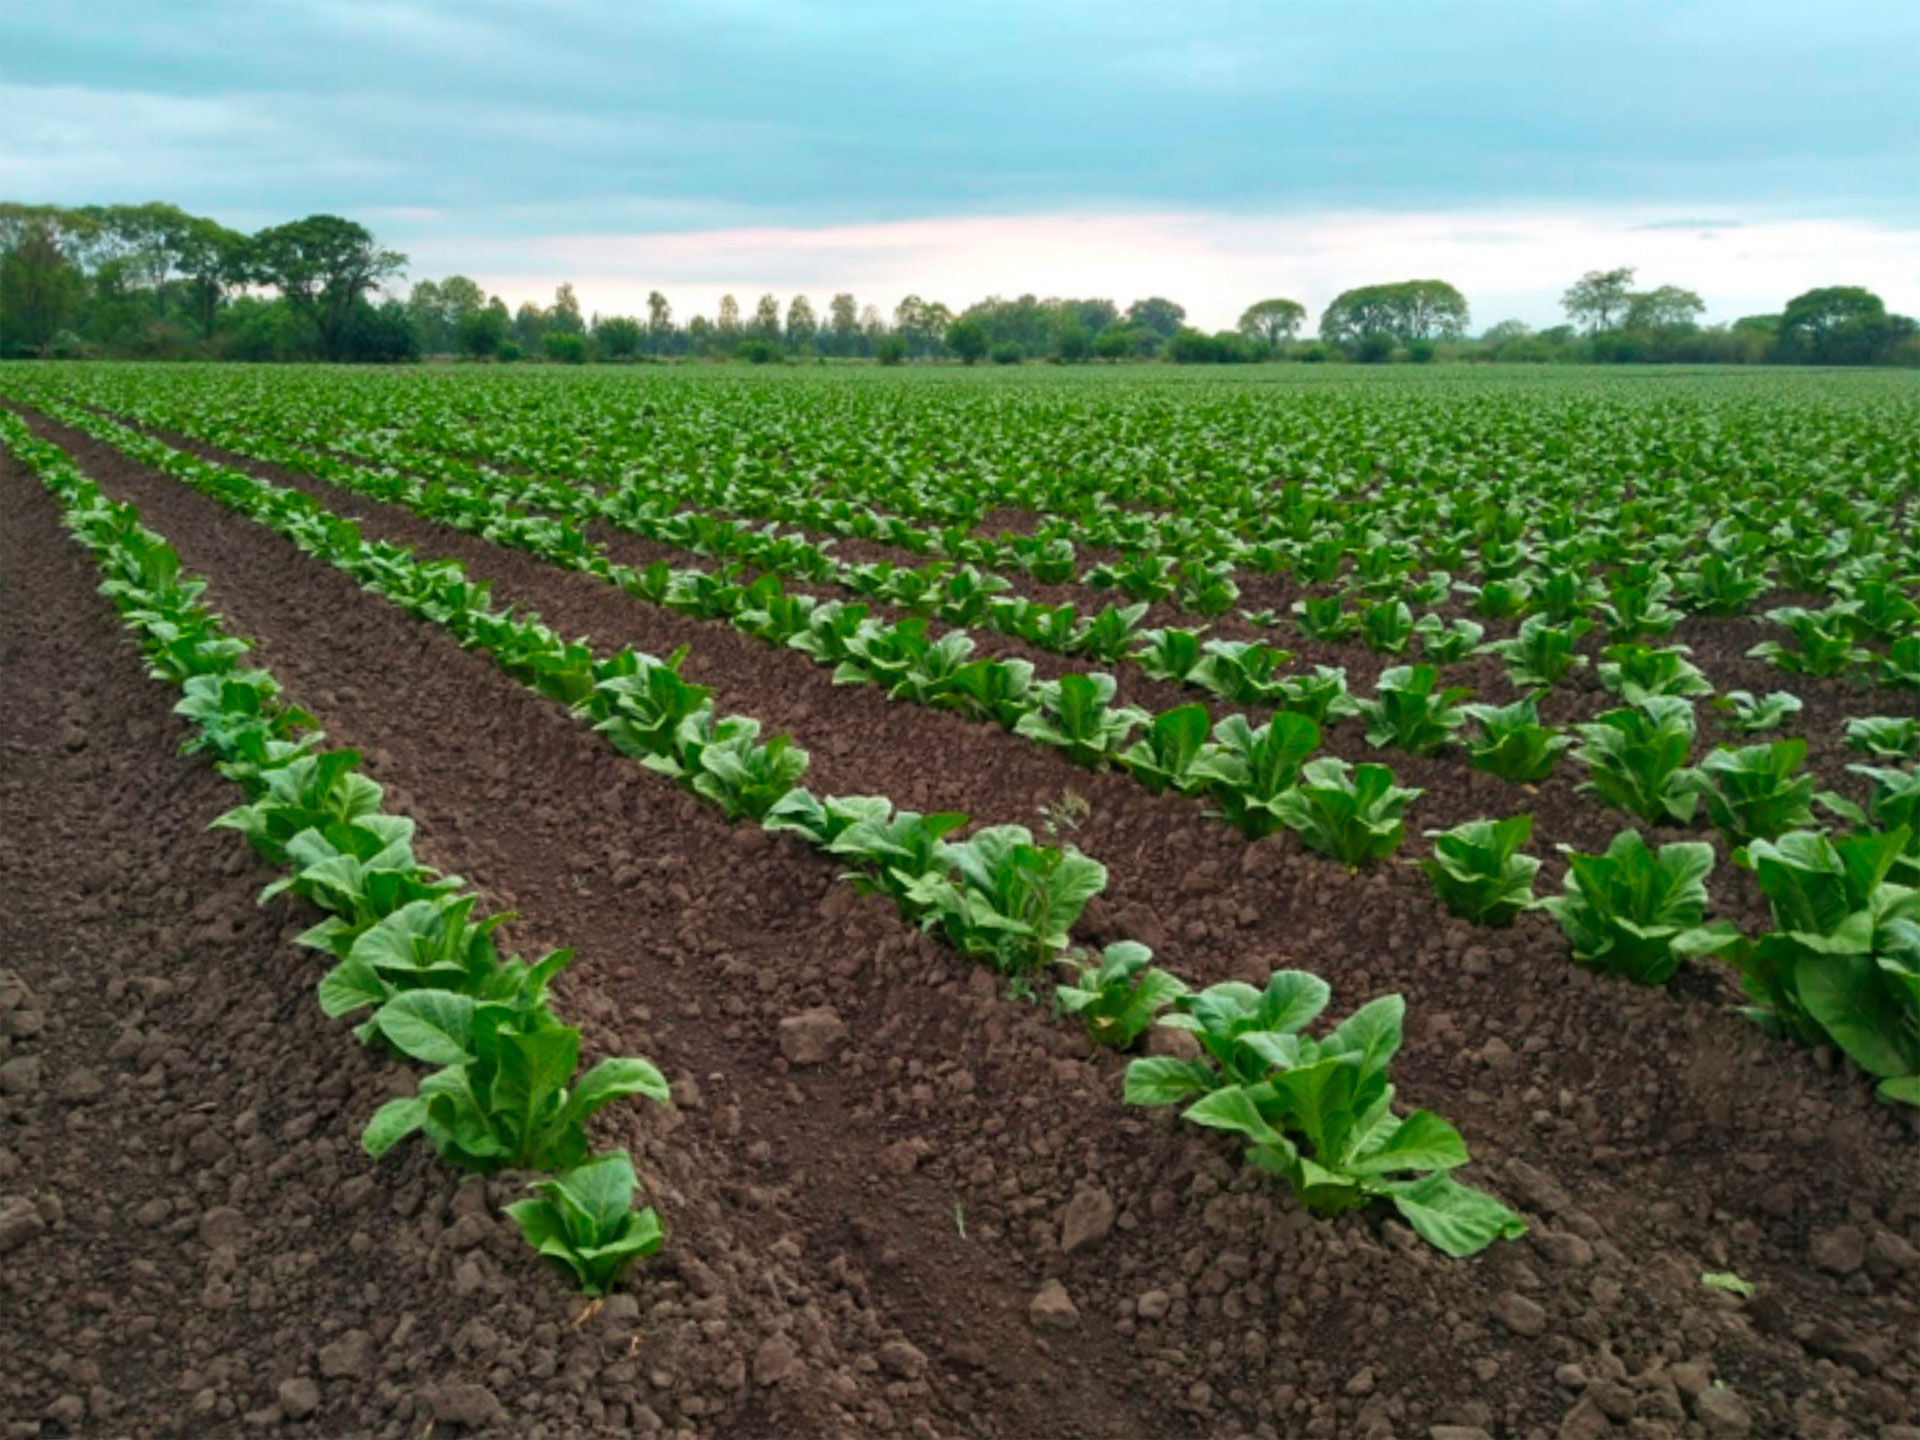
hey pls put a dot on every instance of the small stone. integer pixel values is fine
(19, 1222)
(1166, 1041)
(1497, 1055)
(1088, 1220)
(470, 1405)
(1586, 1421)
(20, 1076)
(1888, 1253)
(1723, 1413)
(68, 1410)
(774, 1360)
(1522, 1316)
(1841, 1251)
(900, 1358)
(1616, 1399)
(1153, 1305)
(1052, 1308)
(350, 1355)
(1362, 1381)
(1691, 1379)
(298, 1397)
(686, 1093)
(1456, 1432)
(468, 1231)
(223, 1228)
(1563, 1248)
(812, 1036)
(903, 1157)
(80, 1087)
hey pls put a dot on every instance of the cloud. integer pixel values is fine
(1510, 264)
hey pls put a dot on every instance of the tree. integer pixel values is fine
(1114, 343)
(1598, 299)
(1162, 317)
(1072, 346)
(921, 325)
(1839, 325)
(529, 326)
(565, 317)
(1268, 322)
(1095, 316)
(659, 322)
(1406, 311)
(215, 260)
(968, 340)
(728, 325)
(801, 324)
(1668, 308)
(617, 337)
(766, 318)
(844, 321)
(482, 330)
(40, 286)
(322, 265)
(569, 347)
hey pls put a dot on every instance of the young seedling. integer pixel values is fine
(1513, 744)
(584, 1224)
(1478, 872)
(1351, 813)
(1636, 914)
(1118, 998)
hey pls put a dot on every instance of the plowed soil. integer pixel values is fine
(854, 1246)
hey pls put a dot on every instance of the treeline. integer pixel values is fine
(151, 281)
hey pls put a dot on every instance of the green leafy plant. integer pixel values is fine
(1076, 714)
(1167, 756)
(309, 792)
(583, 1222)
(1822, 642)
(1478, 872)
(1445, 642)
(1513, 744)
(1118, 998)
(1321, 697)
(1885, 738)
(1325, 618)
(1637, 914)
(1842, 965)
(1352, 813)
(1497, 599)
(1637, 605)
(1320, 1113)
(1386, 628)
(1541, 654)
(1753, 716)
(996, 690)
(1010, 902)
(1752, 793)
(640, 703)
(1108, 635)
(1247, 771)
(1634, 757)
(1169, 654)
(1637, 672)
(1408, 712)
(505, 1094)
(1242, 672)
(1901, 664)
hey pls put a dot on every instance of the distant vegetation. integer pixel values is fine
(152, 282)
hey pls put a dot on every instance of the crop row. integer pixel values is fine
(408, 953)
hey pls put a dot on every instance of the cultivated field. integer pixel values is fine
(860, 733)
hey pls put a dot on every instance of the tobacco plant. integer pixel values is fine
(1320, 1113)
(1634, 758)
(1822, 642)
(1478, 871)
(1513, 744)
(1076, 715)
(1638, 672)
(1753, 716)
(1541, 654)
(1447, 642)
(1118, 998)
(1409, 713)
(584, 1224)
(1248, 772)
(1753, 793)
(1352, 813)
(1885, 738)
(1241, 672)
(1167, 756)
(1169, 654)
(1635, 913)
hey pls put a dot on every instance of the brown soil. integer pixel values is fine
(1651, 1137)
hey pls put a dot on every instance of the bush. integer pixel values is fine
(758, 351)
(1373, 348)
(1314, 354)
(564, 348)
(968, 340)
(1005, 353)
(1420, 352)
(891, 350)
(509, 351)
(1075, 345)
(1113, 343)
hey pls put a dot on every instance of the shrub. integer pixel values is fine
(1006, 353)
(564, 348)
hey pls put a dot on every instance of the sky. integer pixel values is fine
(1213, 151)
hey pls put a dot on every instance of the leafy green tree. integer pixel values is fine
(40, 286)
(1159, 316)
(766, 318)
(1838, 325)
(214, 260)
(659, 323)
(726, 328)
(481, 331)
(529, 326)
(1269, 322)
(1668, 308)
(802, 326)
(322, 265)
(1598, 299)
(565, 346)
(1113, 344)
(968, 340)
(843, 323)
(618, 337)
(1408, 310)
(564, 317)
(1074, 344)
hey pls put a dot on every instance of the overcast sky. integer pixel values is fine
(1210, 150)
